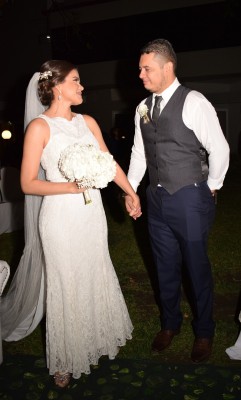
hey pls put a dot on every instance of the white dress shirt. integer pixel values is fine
(198, 115)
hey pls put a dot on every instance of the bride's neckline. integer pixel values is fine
(59, 117)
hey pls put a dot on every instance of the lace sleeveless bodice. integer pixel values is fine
(86, 312)
(62, 134)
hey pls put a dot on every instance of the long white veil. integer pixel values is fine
(23, 306)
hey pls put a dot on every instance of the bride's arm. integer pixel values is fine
(36, 138)
(120, 177)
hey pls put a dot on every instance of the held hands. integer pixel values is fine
(133, 206)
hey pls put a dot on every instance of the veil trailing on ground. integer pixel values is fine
(23, 306)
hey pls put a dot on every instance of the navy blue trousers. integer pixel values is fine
(178, 226)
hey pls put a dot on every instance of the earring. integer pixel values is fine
(59, 96)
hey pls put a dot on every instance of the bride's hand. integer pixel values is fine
(74, 188)
(133, 206)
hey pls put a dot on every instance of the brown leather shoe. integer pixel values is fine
(163, 339)
(202, 349)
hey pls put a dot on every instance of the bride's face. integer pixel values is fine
(71, 89)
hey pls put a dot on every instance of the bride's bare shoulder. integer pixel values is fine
(88, 118)
(38, 127)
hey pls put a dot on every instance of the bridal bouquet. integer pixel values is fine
(88, 166)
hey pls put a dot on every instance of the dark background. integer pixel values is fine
(25, 25)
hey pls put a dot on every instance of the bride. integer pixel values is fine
(86, 315)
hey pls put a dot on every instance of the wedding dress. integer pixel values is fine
(86, 313)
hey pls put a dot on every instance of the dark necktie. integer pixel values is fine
(156, 109)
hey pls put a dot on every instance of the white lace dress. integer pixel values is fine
(86, 313)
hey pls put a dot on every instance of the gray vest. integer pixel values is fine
(175, 157)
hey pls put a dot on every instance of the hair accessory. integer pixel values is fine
(45, 75)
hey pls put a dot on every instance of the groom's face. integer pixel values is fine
(154, 72)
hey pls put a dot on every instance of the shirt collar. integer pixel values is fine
(167, 93)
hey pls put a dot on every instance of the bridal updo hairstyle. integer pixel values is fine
(52, 73)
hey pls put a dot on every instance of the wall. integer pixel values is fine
(23, 48)
(115, 9)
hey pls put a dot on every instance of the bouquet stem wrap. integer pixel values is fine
(87, 198)
(88, 166)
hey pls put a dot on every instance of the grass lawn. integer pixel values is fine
(131, 256)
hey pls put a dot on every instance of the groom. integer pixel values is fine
(179, 139)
